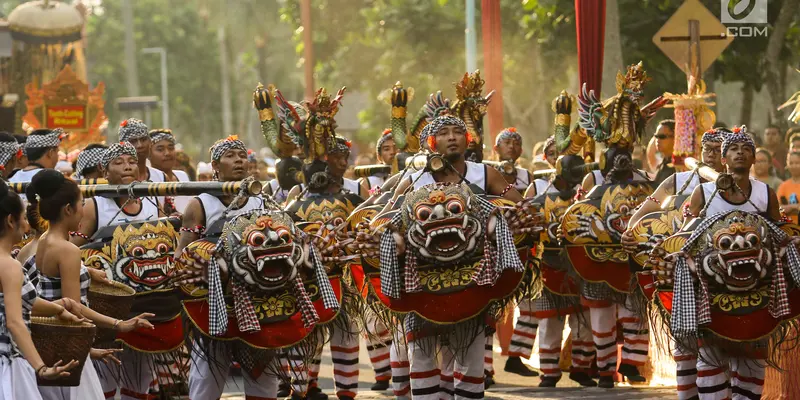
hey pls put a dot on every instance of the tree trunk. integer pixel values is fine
(612, 48)
(227, 117)
(773, 61)
(746, 112)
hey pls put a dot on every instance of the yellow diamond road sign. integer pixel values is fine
(673, 37)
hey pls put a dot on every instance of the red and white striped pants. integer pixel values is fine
(207, 380)
(550, 338)
(344, 352)
(430, 382)
(379, 341)
(713, 383)
(635, 333)
(686, 372)
(398, 355)
(524, 330)
(304, 376)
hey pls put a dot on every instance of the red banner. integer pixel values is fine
(67, 117)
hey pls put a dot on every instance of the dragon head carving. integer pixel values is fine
(441, 222)
(471, 106)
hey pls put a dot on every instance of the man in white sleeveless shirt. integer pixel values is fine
(385, 150)
(229, 161)
(447, 135)
(41, 148)
(337, 162)
(746, 379)
(136, 133)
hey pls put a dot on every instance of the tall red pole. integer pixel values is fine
(308, 48)
(493, 64)
(590, 23)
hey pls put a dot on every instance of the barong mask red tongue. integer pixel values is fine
(144, 255)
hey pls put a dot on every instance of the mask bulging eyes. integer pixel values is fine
(256, 239)
(725, 242)
(138, 251)
(284, 235)
(423, 213)
(752, 239)
(455, 207)
(162, 248)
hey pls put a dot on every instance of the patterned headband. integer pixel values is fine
(386, 135)
(423, 136)
(52, 139)
(439, 123)
(716, 135)
(508, 133)
(549, 142)
(738, 135)
(342, 146)
(117, 150)
(219, 148)
(132, 128)
(7, 151)
(157, 135)
(89, 158)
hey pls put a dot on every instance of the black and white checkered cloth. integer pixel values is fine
(739, 135)
(340, 146)
(29, 294)
(390, 266)
(50, 287)
(52, 139)
(497, 256)
(7, 151)
(89, 158)
(117, 150)
(157, 135)
(246, 319)
(715, 135)
(325, 288)
(691, 310)
(217, 313)
(132, 128)
(221, 146)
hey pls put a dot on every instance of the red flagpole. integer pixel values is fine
(308, 48)
(493, 65)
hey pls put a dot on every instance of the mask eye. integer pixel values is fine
(162, 248)
(138, 251)
(455, 207)
(256, 238)
(423, 213)
(752, 238)
(284, 235)
(338, 221)
(725, 242)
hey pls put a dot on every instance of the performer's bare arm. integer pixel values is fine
(665, 189)
(774, 210)
(496, 184)
(192, 218)
(88, 223)
(696, 203)
(363, 188)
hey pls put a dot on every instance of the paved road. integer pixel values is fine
(509, 387)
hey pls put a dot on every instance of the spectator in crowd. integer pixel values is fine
(793, 139)
(665, 144)
(773, 141)
(763, 169)
(789, 191)
(204, 172)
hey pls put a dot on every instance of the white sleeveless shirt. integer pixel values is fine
(523, 179)
(278, 193)
(476, 175)
(349, 185)
(109, 213)
(24, 176)
(213, 207)
(375, 181)
(759, 197)
(680, 180)
(599, 179)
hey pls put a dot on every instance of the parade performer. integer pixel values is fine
(386, 152)
(87, 165)
(323, 204)
(135, 132)
(592, 227)
(421, 208)
(163, 158)
(41, 149)
(55, 208)
(112, 233)
(20, 362)
(559, 298)
(730, 248)
(10, 151)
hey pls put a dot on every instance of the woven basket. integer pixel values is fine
(60, 340)
(114, 300)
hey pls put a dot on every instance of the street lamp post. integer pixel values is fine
(164, 86)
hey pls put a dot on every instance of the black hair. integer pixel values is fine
(48, 193)
(39, 152)
(770, 126)
(10, 204)
(92, 168)
(669, 123)
(7, 137)
(21, 139)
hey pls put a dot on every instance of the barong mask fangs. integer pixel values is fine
(739, 255)
(265, 249)
(440, 221)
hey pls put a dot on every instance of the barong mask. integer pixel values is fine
(265, 250)
(441, 223)
(144, 255)
(739, 256)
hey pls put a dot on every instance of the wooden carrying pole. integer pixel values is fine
(145, 189)
(705, 172)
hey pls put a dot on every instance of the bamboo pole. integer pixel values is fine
(145, 189)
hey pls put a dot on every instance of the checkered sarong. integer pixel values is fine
(307, 310)
(246, 319)
(217, 312)
(329, 300)
(390, 266)
(499, 256)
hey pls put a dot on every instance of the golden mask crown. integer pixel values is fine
(470, 86)
(634, 80)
